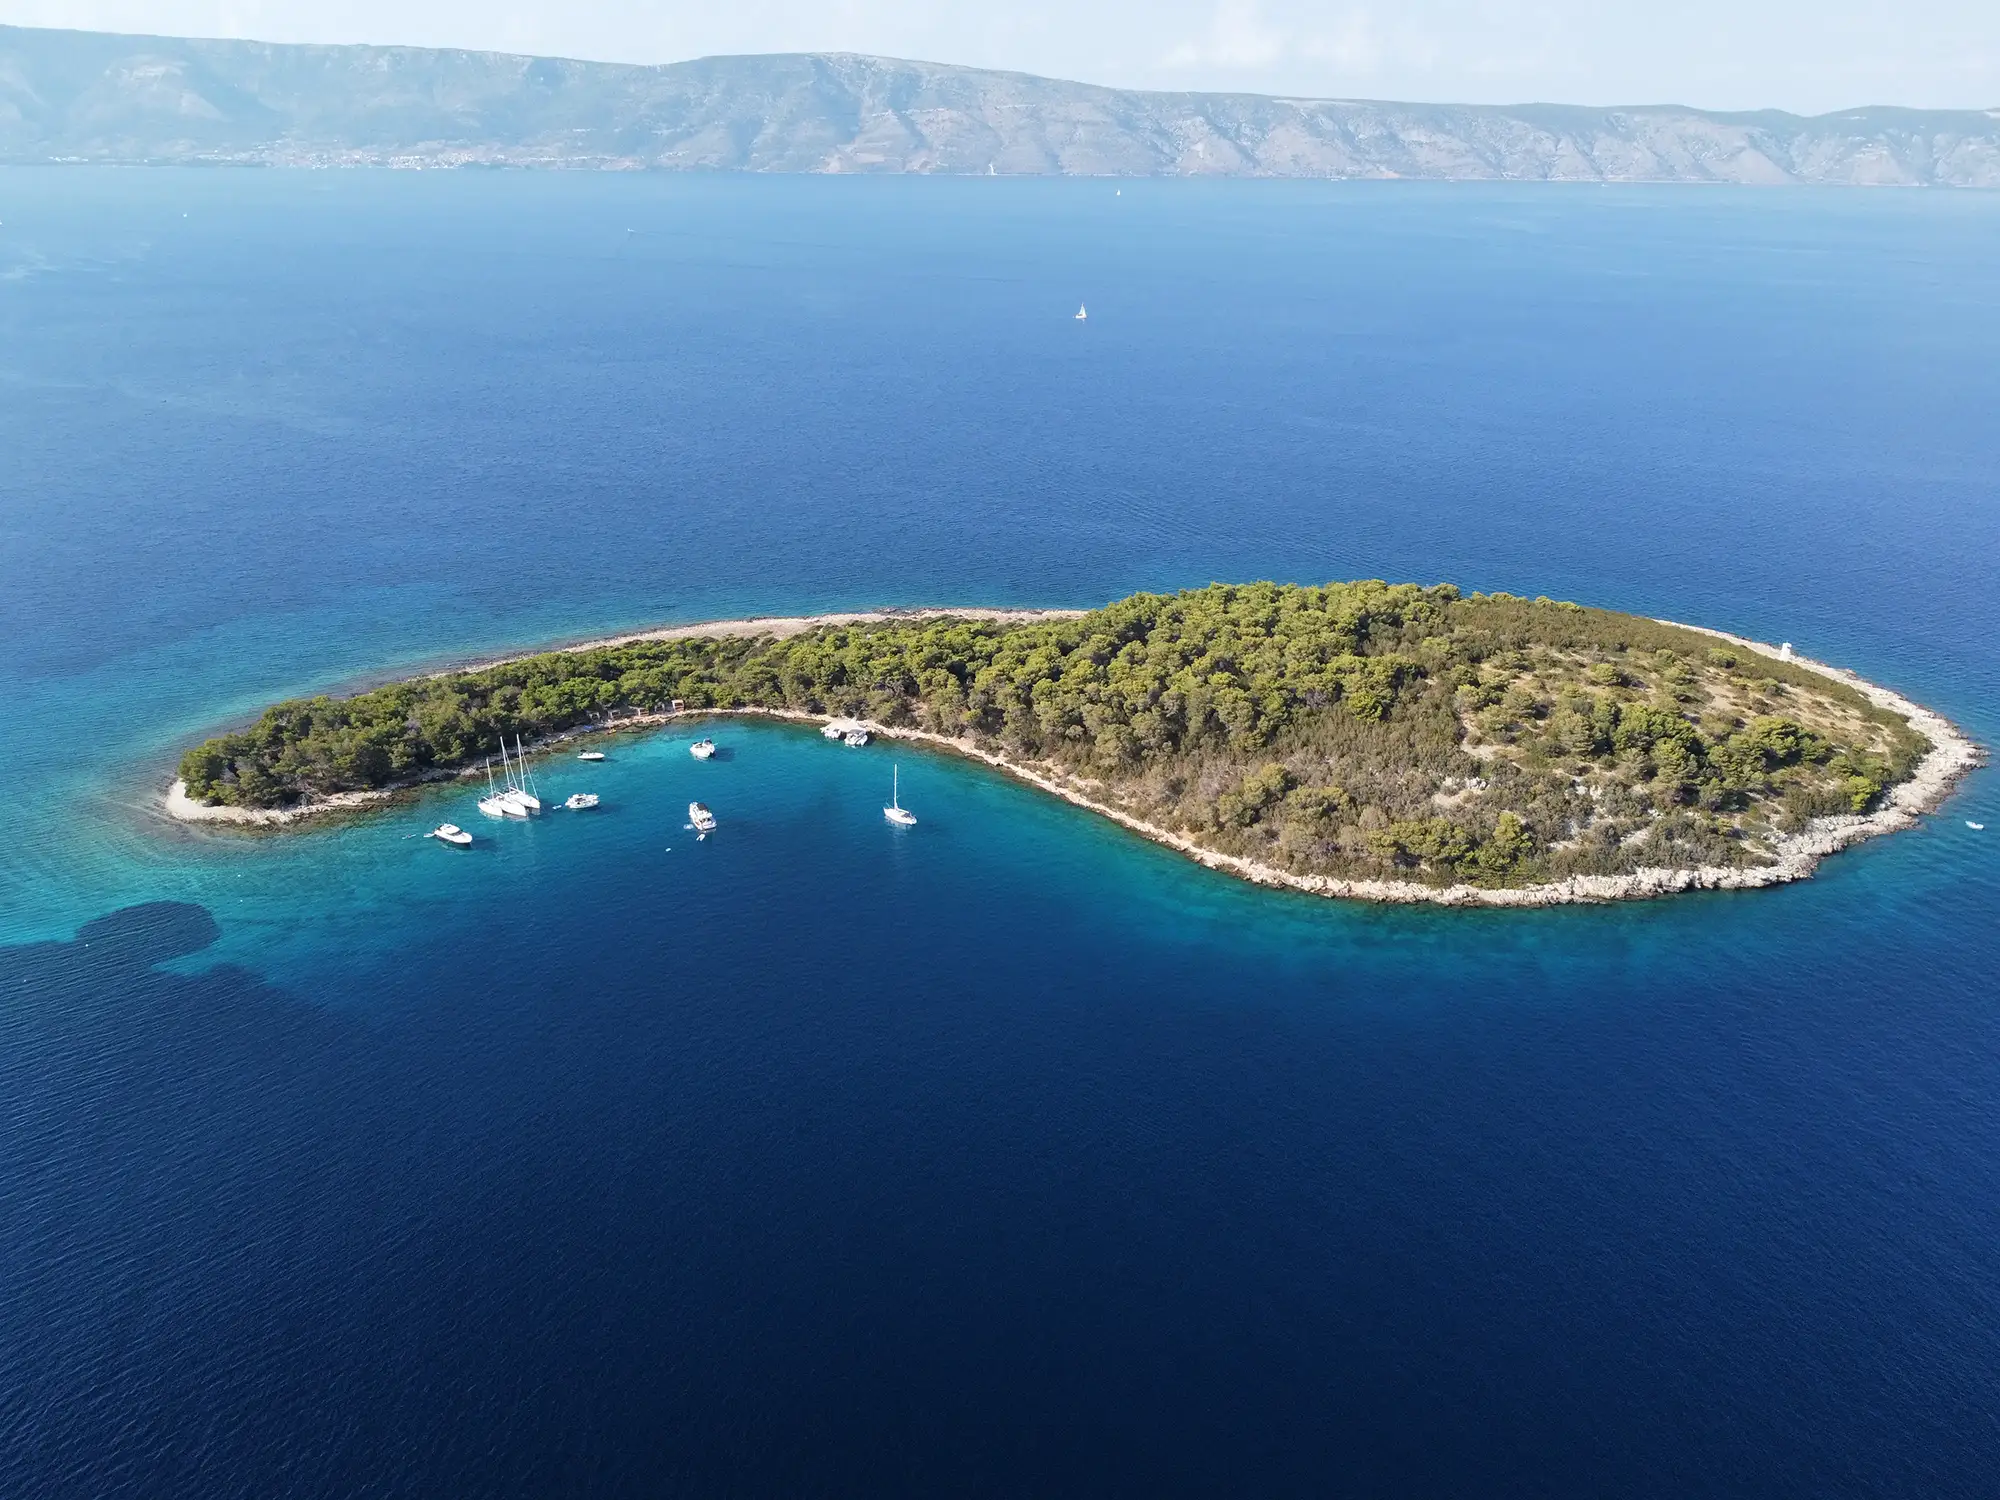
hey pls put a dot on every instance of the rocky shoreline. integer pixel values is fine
(1952, 756)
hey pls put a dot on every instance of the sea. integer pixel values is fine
(1008, 1154)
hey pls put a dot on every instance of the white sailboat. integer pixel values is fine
(524, 783)
(1082, 312)
(895, 812)
(495, 803)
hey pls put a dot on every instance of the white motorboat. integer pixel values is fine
(590, 755)
(702, 819)
(895, 812)
(578, 801)
(1975, 827)
(702, 749)
(450, 833)
(854, 739)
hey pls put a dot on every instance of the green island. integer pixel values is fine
(1355, 731)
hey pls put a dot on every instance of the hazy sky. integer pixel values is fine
(1808, 55)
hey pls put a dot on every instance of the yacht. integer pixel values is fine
(1975, 827)
(591, 755)
(450, 833)
(702, 749)
(578, 801)
(1081, 312)
(895, 812)
(496, 804)
(854, 739)
(702, 818)
(523, 784)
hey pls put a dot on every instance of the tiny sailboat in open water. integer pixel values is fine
(895, 812)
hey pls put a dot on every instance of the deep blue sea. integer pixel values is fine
(1008, 1155)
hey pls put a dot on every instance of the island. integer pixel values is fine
(1381, 741)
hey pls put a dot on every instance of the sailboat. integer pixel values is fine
(495, 804)
(520, 786)
(895, 812)
(1081, 312)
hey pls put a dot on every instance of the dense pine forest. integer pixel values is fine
(1356, 729)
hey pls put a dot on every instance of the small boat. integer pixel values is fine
(578, 801)
(1081, 312)
(702, 818)
(854, 739)
(590, 755)
(450, 833)
(702, 749)
(523, 791)
(496, 804)
(1975, 827)
(895, 812)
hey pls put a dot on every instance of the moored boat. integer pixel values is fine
(895, 812)
(578, 801)
(590, 755)
(521, 789)
(495, 803)
(854, 739)
(450, 833)
(702, 819)
(702, 749)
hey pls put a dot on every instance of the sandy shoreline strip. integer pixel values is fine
(1951, 756)
(779, 627)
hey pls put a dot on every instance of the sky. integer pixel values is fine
(1809, 56)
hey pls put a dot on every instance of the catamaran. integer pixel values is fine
(524, 783)
(497, 804)
(895, 812)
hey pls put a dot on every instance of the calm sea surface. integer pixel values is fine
(1009, 1155)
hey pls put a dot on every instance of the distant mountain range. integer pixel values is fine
(72, 96)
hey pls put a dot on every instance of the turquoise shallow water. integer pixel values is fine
(1010, 1153)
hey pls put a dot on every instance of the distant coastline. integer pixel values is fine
(80, 97)
(1950, 756)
